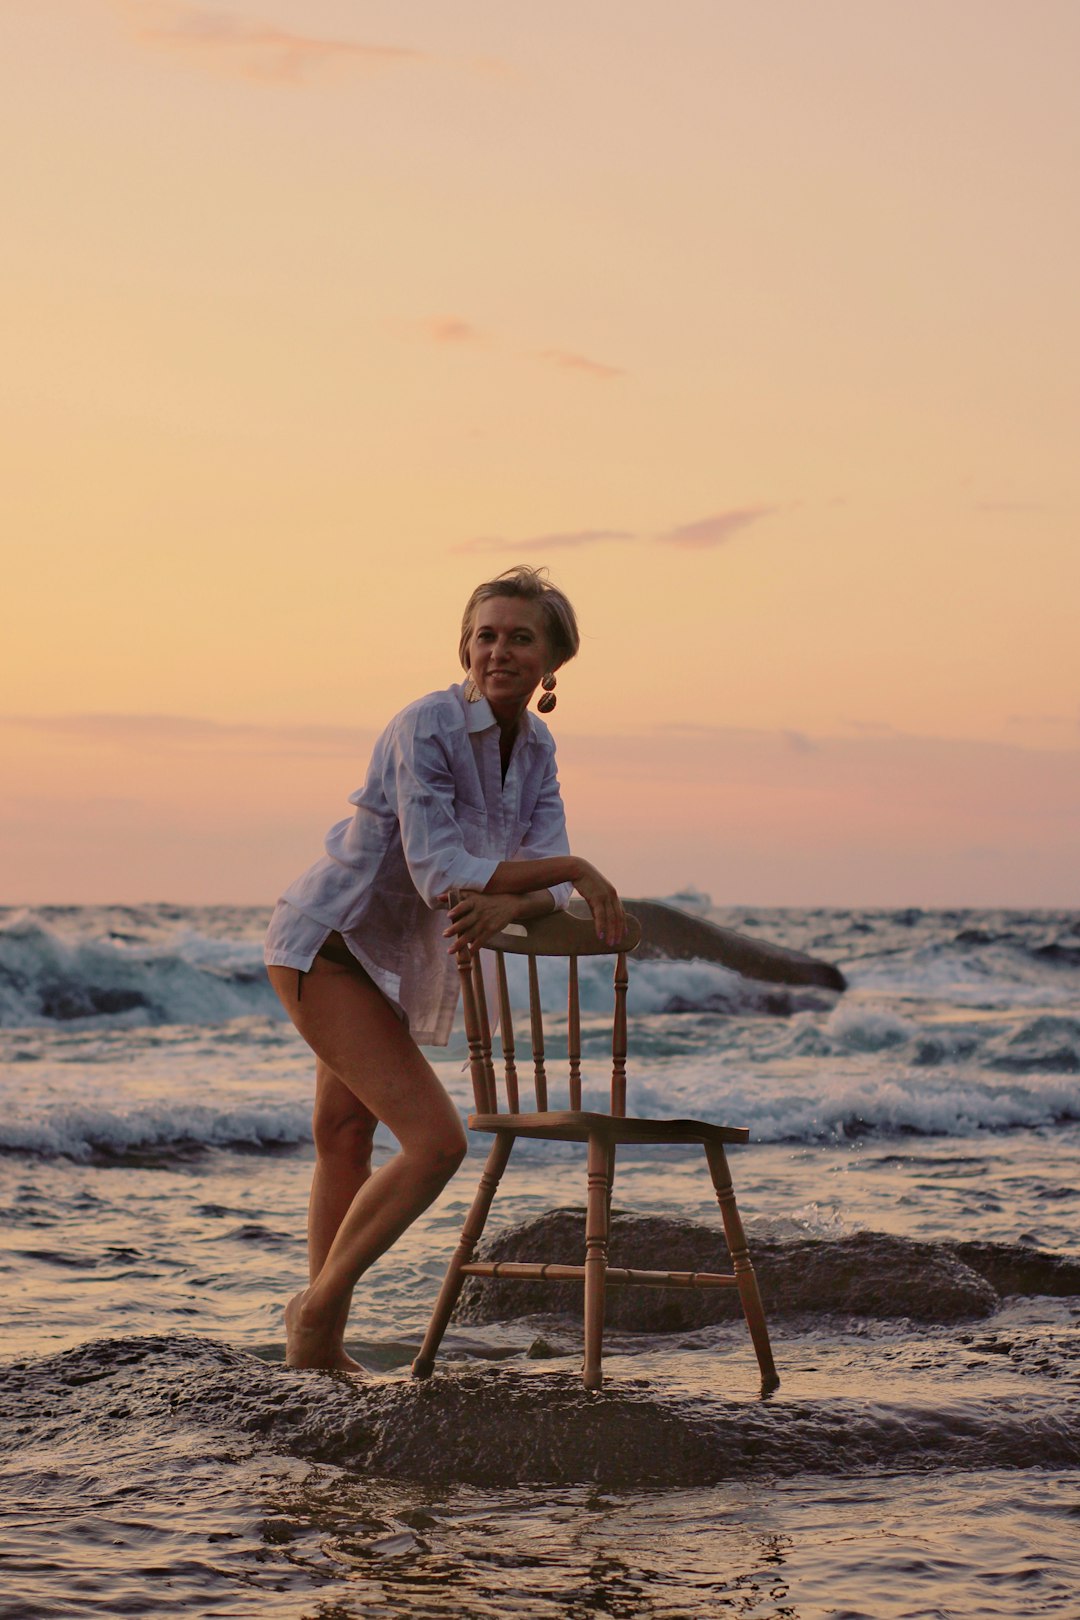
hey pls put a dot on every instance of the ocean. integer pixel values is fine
(920, 1458)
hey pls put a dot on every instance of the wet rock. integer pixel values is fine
(64, 1001)
(509, 1425)
(679, 937)
(751, 998)
(543, 1349)
(1014, 1269)
(502, 1426)
(863, 1274)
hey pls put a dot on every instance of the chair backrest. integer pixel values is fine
(562, 935)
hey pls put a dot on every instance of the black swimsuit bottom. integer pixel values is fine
(334, 949)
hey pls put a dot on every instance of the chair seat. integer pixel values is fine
(569, 1125)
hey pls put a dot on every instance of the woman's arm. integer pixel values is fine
(518, 890)
(418, 781)
(520, 877)
(546, 833)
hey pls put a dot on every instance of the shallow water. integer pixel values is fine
(328, 1546)
(158, 1458)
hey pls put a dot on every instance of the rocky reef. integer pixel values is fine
(677, 936)
(867, 1274)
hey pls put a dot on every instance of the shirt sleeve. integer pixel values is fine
(547, 830)
(418, 781)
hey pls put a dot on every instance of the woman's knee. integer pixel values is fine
(440, 1154)
(344, 1136)
(455, 1152)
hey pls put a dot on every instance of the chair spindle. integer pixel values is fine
(477, 1066)
(536, 1019)
(618, 1039)
(573, 1021)
(480, 992)
(506, 1035)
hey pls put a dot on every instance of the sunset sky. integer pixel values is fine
(755, 321)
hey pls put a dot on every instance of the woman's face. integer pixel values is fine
(508, 653)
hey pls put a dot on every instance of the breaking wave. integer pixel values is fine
(52, 975)
(840, 1109)
(159, 1132)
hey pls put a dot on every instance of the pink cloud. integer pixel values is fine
(715, 530)
(450, 329)
(545, 542)
(251, 49)
(568, 361)
(706, 532)
(455, 329)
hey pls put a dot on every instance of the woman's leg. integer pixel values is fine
(352, 1029)
(343, 1130)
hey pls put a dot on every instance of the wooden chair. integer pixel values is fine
(564, 935)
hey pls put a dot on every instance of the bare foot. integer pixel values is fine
(343, 1362)
(307, 1346)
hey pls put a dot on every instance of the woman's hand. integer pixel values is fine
(603, 901)
(476, 918)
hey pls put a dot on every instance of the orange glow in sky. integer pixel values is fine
(755, 322)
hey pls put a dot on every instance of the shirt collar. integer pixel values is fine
(478, 716)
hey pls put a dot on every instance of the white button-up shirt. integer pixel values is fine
(434, 814)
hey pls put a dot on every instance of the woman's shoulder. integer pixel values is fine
(434, 714)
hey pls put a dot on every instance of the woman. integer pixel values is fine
(461, 794)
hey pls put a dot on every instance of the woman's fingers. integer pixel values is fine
(462, 929)
(608, 915)
(474, 920)
(458, 930)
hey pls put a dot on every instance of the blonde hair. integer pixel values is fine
(532, 585)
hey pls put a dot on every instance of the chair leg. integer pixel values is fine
(744, 1270)
(601, 1172)
(470, 1234)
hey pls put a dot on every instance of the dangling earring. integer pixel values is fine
(549, 700)
(473, 693)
